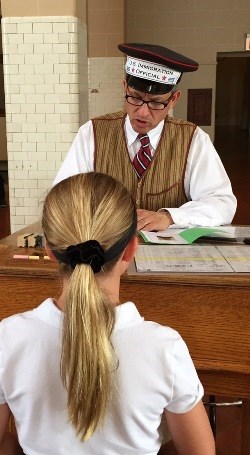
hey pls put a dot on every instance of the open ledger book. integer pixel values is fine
(177, 254)
(173, 236)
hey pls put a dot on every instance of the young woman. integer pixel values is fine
(85, 374)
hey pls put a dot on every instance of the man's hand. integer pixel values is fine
(153, 221)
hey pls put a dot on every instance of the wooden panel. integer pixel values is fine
(204, 315)
(211, 312)
(200, 106)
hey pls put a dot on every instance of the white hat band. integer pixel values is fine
(151, 71)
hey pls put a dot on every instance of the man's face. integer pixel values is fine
(142, 118)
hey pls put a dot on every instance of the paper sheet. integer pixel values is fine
(242, 231)
(237, 256)
(159, 258)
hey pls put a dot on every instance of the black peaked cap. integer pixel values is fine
(159, 54)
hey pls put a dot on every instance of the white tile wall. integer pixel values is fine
(51, 89)
(105, 85)
(46, 86)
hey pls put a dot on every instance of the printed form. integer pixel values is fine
(160, 258)
(192, 258)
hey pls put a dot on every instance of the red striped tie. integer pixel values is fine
(143, 157)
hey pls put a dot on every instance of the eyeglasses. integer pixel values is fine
(155, 105)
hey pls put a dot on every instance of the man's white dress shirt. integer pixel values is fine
(211, 201)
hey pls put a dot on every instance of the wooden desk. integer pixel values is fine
(211, 312)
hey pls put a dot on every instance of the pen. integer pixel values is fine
(164, 238)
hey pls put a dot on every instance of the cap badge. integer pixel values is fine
(151, 71)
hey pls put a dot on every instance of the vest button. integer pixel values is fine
(139, 184)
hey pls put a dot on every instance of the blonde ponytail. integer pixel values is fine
(87, 362)
(79, 209)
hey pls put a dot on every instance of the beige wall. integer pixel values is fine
(196, 28)
(105, 21)
(76, 8)
(106, 28)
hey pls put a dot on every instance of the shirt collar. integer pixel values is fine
(126, 314)
(49, 313)
(153, 134)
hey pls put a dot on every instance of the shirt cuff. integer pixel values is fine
(182, 406)
(178, 217)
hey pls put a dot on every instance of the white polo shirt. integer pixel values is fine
(155, 373)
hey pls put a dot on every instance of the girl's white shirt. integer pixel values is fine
(155, 372)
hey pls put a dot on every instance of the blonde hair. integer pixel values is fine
(81, 208)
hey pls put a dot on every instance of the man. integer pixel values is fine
(172, 168)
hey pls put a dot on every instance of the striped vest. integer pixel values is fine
(162, 184)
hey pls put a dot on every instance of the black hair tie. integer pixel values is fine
(89, 252)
